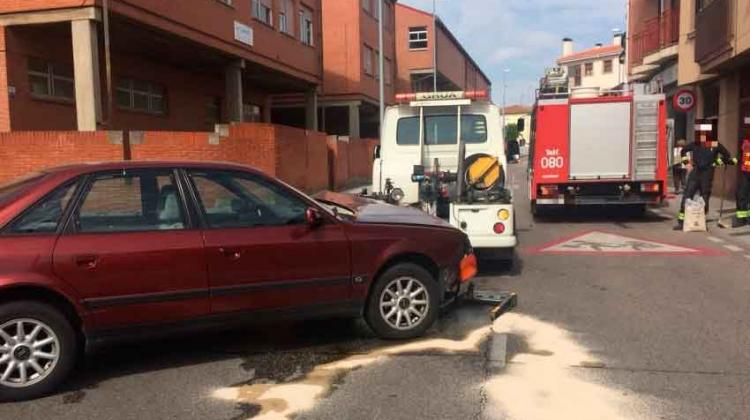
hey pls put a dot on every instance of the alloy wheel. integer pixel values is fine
(404, 303)
(29, 352)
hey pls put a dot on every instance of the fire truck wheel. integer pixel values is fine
(403, 302)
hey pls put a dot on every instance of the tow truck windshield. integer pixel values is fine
(442, 129)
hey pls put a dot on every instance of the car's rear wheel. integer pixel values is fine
(403, 303)
(37, 349)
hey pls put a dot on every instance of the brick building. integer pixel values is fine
(653, 45)
(349, 100)
(714, 48)
(175, 65)
(424, 42)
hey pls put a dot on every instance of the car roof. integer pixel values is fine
(89, 167)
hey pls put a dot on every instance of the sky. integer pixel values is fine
(525, 36)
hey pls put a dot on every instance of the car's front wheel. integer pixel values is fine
(37, 349)
(403, 303)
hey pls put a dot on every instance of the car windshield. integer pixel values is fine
(9, 189)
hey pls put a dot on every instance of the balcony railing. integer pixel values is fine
(657, 33)
(713, 32)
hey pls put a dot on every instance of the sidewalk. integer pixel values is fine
(729, 238)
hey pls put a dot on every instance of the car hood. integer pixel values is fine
(367, 210)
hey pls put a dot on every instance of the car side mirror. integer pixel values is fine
(313, 217)
(376, 152)
(521, 125)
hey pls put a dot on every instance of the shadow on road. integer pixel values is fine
(619, 216)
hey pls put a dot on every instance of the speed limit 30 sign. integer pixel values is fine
(684, 100)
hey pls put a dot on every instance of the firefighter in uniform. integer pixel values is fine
(742, 218)
(707, 154)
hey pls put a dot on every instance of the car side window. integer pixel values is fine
(234, 200)
(44, 217)
(131, 201)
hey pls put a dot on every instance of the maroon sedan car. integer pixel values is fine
(90, 252)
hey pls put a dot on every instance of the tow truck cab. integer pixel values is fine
(444, 152)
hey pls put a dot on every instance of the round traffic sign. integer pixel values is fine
(684, 100)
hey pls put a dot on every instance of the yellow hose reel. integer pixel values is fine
(484, 172)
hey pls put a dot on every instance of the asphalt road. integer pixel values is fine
(619, 317)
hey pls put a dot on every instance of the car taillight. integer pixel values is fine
(468, 267)
(548, 190)
(650, 187)
(499, 228)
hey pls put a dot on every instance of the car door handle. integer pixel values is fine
(88, 262)
(233, 254)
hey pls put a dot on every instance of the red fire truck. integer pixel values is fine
(591, 147)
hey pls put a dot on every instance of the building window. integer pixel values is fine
(418, 38)
(608, 66)
(589, 70)
(262, 11)
(306, 26)
(286, 16)
(577, 75)
(139, 95)
(52, 80)
(367, 53)
(367, 6)
(388, 70)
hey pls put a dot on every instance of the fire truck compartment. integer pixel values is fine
(600, 140)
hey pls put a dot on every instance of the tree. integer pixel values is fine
(511, 132)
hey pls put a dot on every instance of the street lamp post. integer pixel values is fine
(505, 88)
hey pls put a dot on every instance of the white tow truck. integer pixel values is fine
(444, 152)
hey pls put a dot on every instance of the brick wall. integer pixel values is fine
(307, 160)
(24, 152)
(296, 156)
(4, 98)
(350, 162)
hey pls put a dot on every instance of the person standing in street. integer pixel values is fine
(679, 169)
(707, 154)
(742, 218)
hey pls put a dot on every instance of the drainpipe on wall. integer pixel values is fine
(434, 46)
(107, 62)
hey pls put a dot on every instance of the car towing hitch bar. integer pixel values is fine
(501, 301)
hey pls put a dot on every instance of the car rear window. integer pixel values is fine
(12, 188)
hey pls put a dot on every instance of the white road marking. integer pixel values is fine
(715, 239)
(733, 248)
(611, 243)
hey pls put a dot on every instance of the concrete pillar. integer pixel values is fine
(86, 70)
(233, 85)
(354, 121)
(311, 109)
(267, 104)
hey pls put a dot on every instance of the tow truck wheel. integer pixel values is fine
(403, 303)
